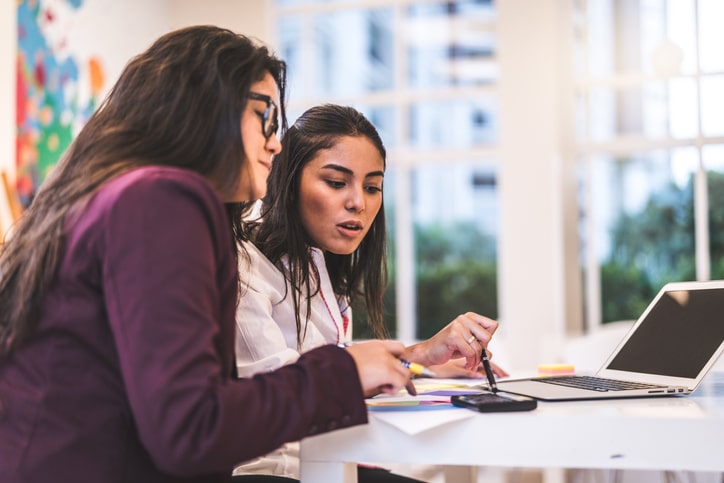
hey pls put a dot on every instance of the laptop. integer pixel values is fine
(667, 352)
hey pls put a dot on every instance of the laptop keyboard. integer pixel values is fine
(595, 383)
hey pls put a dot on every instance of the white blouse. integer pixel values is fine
(266, 335)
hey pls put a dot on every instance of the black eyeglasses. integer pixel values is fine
(269, 120)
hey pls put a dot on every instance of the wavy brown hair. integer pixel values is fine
(179, 104)
(361, 275)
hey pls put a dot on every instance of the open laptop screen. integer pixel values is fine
(677, 337)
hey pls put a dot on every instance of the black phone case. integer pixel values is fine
(489, 402)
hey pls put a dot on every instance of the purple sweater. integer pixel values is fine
(130, 374)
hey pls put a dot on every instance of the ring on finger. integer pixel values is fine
(470, 339)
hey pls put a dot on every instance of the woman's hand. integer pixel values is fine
(465, 337)
(379, 367)
(455, 368)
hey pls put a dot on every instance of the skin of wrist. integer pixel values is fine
(417, 353)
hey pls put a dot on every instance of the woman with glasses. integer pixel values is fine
(118, 288)
(320, 245)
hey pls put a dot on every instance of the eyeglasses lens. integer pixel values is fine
(269, 120)
(271, 123)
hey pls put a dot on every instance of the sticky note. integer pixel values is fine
(555, 369)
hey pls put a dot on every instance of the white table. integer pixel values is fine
(675, 433)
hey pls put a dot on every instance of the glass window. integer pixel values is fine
(646, 90)
(458, 122)
(683, 109)
(653, 110)
(353, 52)
(713, 159)
(377, 57)
(648, 37)
(643, 205)
(455, 213)
(712, 105)
(678, 52)
(383, 117)
(711, 35)
(451, 44)
(389, 301)
(289, 31)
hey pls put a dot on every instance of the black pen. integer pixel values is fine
(488, 371)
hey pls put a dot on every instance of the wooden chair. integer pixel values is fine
(11, 202)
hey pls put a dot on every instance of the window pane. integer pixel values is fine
(600, 41)
(383, 117)
(713, 158)
(360, 327)
(654, 110)
(643, 208)
(460, 123)
(711, 35)
(289, 32)
(368, 54)
(455, 212)
(353, 52)
(293, 113)
(627, 111)
(712, 105)
(451, 43)
(680, 53)
(653, 37)
(683, 108)
(390, 298)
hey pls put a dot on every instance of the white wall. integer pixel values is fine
(108, 30)
(248, 17)
(8, 40)
(116, 31)
(112, 31)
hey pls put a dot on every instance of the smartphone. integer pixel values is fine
(493, 402)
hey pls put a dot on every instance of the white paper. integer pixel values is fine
(418, 421)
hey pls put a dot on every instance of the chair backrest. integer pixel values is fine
(10, 206)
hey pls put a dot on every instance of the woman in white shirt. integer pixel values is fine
(320, 244)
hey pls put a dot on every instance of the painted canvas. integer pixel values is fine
(58, 88)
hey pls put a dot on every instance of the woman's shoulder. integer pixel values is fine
(170, 192)
(154, 178)
(158, 185)
(254, 265)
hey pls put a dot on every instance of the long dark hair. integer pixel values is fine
(179, 103)
(359, 275)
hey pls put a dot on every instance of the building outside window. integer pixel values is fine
(486, 113)
(650, 136)
(425, 74)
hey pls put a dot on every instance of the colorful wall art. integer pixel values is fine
(58, 88)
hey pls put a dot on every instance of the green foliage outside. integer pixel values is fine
(656, 246)
(446, 291)
(456, 273)
(456, 268)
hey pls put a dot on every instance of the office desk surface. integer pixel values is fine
(668, 433)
